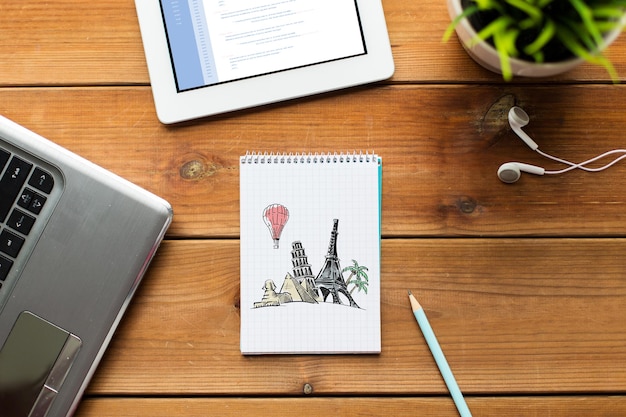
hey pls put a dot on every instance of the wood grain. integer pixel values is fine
(511, 315)
(579, 406)
(441, 147)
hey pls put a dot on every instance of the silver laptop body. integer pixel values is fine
(75, 241)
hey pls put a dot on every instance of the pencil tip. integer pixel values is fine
(410, 293)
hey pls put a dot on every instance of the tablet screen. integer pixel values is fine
(218, 41)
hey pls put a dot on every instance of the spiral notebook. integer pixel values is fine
(310, 253)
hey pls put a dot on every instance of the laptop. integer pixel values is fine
(75, 241)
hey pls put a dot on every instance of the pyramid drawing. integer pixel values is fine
(297, 291)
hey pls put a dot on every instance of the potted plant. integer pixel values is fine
(537, 37)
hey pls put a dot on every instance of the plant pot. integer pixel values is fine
(486, 55)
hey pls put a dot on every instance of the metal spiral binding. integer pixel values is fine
(307, 158)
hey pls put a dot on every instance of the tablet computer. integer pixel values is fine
(214, 56)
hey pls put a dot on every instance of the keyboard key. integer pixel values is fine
(31, 201)
(10, 243)
(41, 180)
(11, 184)
(20, 222)
(4, 158)
(5, 267)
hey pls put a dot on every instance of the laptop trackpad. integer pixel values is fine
(34, 362)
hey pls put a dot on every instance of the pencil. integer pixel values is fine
(440, 359)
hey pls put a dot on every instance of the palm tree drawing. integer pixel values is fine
(358, 276)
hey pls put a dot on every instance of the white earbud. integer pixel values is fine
(510, 172)
(518, 118)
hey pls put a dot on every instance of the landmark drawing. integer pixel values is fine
(300, 285)
(330, 279)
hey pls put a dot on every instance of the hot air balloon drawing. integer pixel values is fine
(275, 216)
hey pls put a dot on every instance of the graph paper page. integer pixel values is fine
(310, 254)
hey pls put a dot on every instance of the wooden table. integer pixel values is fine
(524, 284)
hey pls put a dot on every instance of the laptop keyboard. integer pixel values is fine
(24, 191)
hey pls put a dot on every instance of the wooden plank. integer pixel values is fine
(68, 42)
(441, 147)
(519, 316)
(579, 406)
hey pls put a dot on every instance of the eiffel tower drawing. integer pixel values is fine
(330, 280)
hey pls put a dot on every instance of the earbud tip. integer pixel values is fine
(518, 116)
(509, 173)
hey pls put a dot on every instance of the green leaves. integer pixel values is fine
(466, 13)
(358, 277)
(528, 29)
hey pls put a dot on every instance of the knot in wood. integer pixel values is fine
(192, 170)
(466, 205)
(197, 169)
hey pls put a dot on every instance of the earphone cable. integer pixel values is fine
(582, 165)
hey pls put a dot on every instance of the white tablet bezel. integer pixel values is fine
(173, 106)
